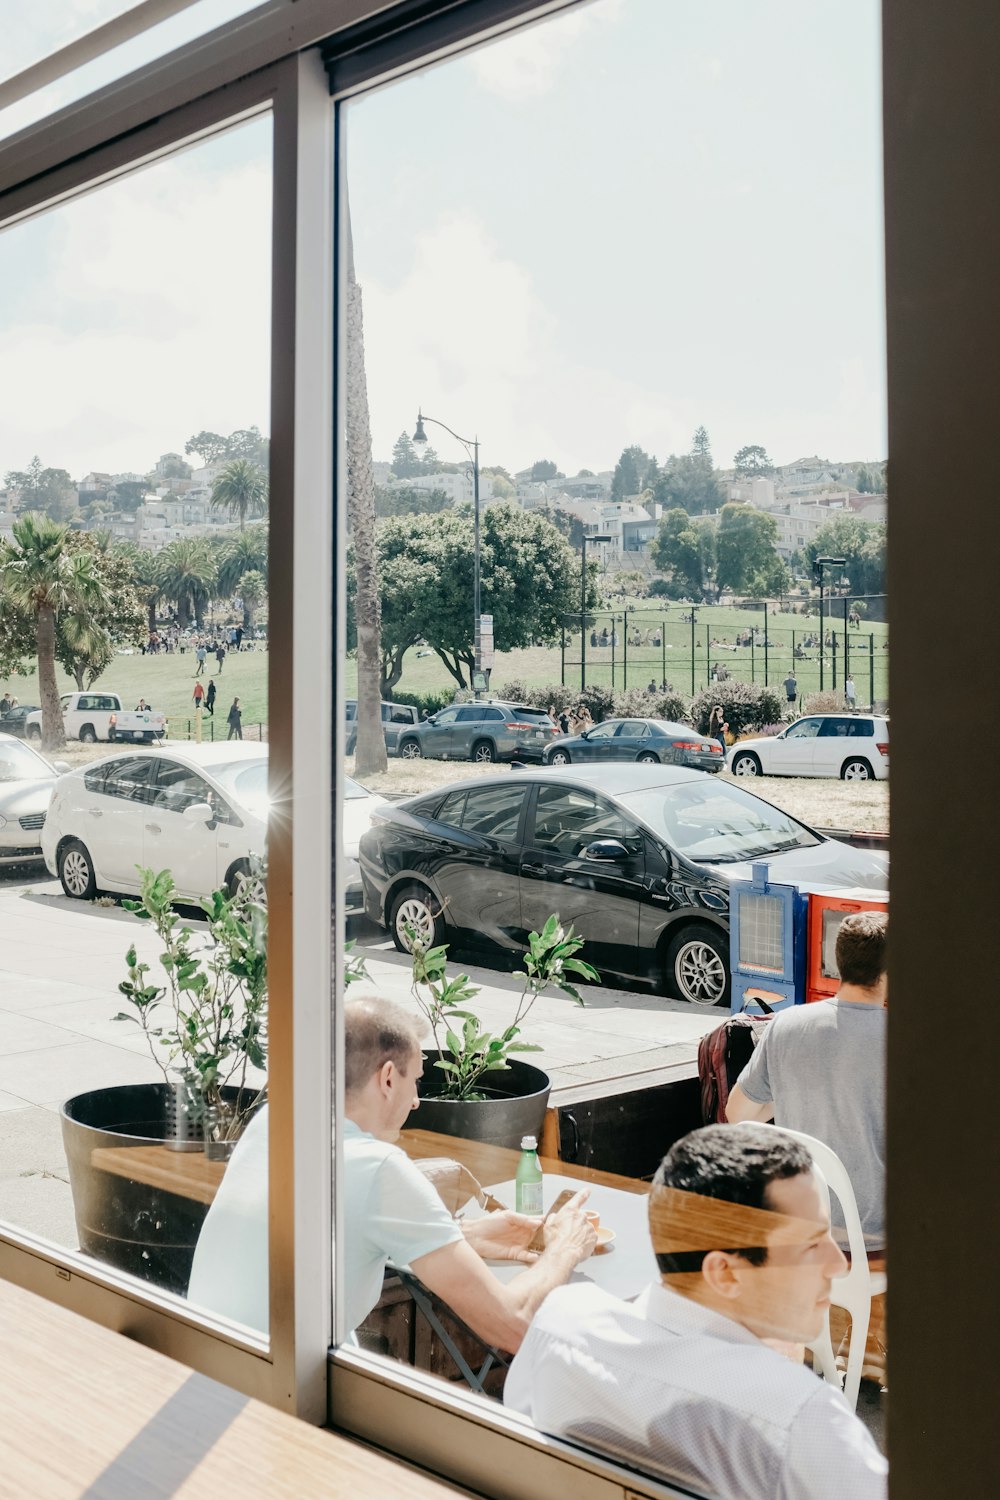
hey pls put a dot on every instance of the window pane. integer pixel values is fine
(535, 308)
(135, 358)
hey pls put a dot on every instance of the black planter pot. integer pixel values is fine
(130, 1225)
(516, 1108)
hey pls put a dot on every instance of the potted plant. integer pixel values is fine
(474, 1087)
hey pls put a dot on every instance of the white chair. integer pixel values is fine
(853, 1292)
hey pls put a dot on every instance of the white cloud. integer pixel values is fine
(467, 336)
(156, 324)
(527, 63)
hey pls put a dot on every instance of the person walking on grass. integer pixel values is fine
(199, 659)
(210, 696)
(235, 721)
(220, 655)
(851, 693)
(198, 695)
(717, 727)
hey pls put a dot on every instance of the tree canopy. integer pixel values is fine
(408, 501)
(241, 489)
(684, 549)
(631, 472)
(752, 462)
(530, 581)
(49, 492)
(245, 443)
(744, 547)
(862, 546)
(689, 480)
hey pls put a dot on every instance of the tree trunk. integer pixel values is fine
(79, 672)
(151, 614)
(53, 737)
(369, 753)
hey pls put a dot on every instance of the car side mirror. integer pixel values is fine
(609, 850)
(62, 766)
(198, 812)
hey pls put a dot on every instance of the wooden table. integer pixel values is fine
(189, 1174)
(88, 1412)
(493, 1164)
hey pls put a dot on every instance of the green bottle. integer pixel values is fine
(528, 1181)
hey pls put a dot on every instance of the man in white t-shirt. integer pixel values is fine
(681, 1382)
(392, 1212)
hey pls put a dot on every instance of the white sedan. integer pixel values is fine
(854, 747)
(26, 782)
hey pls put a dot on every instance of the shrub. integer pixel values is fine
(429, 701)
(824, 703)
(745, 705)
(638, 704)
(599, 699)
(513, 692)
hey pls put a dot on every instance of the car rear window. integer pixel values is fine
(536, 715)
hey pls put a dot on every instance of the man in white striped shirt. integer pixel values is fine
(682, 1382)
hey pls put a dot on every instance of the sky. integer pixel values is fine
(610, 228)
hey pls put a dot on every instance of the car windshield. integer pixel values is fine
(354, 789)
(246, 783)
(717, 824)
(19, 763)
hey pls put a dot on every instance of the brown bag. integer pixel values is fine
(455, 1184)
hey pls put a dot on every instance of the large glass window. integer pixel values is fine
(578, 398)
(134, 562)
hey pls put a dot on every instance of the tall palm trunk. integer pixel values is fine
(369, 751)
(53, 737)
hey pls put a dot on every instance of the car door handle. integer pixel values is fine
(153, 828)
(535, 869)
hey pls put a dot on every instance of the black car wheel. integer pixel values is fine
(484, 751)
(416, 907)
(76, 871)
(559, 758)
(856, 770)
(746, 764)
(697, 966)
(242, 876)
(88, 735)
(410, 750)
(647, 758)
(32, 732)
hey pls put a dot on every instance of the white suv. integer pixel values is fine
(854, 747)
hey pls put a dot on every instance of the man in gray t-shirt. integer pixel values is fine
(821, 1069)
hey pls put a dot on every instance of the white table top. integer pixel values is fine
(624, 1267)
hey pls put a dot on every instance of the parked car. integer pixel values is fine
(13, 721)
(638, 857)
(199, 811)
(101, 716)
(359, 805)
(481, 732)
(395, 719)
(854, 747)
(26, 782)
(650, 741)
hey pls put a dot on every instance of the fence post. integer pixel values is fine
(562, 653)
(753, 658)
(625, 653)
(613, 634)
(833, 640)
(765, 643)
(663, 648)
(871, 669)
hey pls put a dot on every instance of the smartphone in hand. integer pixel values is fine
(537, 1241)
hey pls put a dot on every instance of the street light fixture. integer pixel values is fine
(818, 566)
(471, 446)
(596, 538)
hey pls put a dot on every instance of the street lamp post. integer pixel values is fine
(471, 446)
(694, 616)
(819, 565)
(583, 604)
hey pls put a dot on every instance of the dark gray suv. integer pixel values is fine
(482, 732)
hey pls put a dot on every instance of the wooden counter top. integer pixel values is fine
(90, 1415)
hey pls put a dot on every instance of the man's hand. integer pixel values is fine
(571, 1231)
(502, 1236)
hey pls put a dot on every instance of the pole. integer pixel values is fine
(871, 670)
(562, 654)
(663, 648)
(847, 645)
(475, 588)
(613, 634)
(753, 656)
(765, 643)
(833, 642)
(821, 628)
(583, 614)
(692, 649)
(625, 653)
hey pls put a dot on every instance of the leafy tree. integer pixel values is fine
(862, 546)
(176, 468)
(48, 491)
(542, 469)
(690, 481)
(586, 474)
(42, 580)
(744, 545)
(570, 525)
(209, 446)
(630, 473)
(245, 553)
(406, 463)
(408, 501)
(503, 489)
(144, 567)
(85, 643)
(684, 547)
(246, 443)
(188, 577)
(252, 589)
(241, 489)
(430, 463)
(701, 448)
(769, 582)
(530, 582)
(129, 494)
(752, 462)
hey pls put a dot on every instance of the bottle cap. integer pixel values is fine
(529, 1143)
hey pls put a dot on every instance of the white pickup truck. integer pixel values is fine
(100, 716)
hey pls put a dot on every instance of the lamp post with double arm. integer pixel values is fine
(819, 565)
(583, 603)
(471, 446)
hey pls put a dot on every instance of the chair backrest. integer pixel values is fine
(834, 1173)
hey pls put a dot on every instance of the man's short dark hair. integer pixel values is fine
(735, 1163)
(377, 1031)
(861, 948)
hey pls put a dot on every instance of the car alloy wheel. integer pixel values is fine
(697, 967)
(77, 873)
(647, 758)
(559, 758)
(484, 753)
(410, 750)
(746, 765)
(416, 908)
(857, 770)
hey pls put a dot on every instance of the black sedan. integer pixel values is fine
(649, 741)
(638, 858)
(12, 722)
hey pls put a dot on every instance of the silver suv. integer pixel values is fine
(481, 732)
(396, 717)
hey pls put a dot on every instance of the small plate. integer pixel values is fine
(605, 1239)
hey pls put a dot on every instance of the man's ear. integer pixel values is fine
(386, 1077)
(719, 1270)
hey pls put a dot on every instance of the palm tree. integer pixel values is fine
(146, 577)
(42, 580)
(245, 553)
(252, 589)
(241, 489)
(187, 577)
